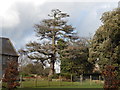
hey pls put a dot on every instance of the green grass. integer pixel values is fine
(59, 84)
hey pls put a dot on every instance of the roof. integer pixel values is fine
(6, 47)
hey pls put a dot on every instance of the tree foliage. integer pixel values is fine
(105, 48)
(35, 69)
(11, 75)
(52, 30)
(111, 80)
(74, 59)
(106, 41)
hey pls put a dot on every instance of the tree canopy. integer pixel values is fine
(74, 59)
(52, 30)
(105, 48)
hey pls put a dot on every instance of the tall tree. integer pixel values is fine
(52, 29)
(74, 58)
(105, 49)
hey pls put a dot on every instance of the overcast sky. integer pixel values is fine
(17, 17)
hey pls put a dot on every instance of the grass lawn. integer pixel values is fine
(59, 84)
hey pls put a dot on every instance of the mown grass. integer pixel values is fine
(60, 84)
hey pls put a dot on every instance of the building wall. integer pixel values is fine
(0, 66)
(7, 53)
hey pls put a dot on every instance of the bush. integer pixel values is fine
(111, 80)
(55, 76)
(11, 75)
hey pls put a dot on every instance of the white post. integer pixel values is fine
(35, 80)
(60, 80)
(81, 78)
(99, 79)
(48, 81)
(90, 79)
(21, 81)
(71, 78)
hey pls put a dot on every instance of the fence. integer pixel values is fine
(74, 81)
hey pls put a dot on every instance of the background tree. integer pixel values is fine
(74, 59)
(52, 29)
(105, 48)
(36, 68)
(23, 59)
(28, 69)
(11, 75)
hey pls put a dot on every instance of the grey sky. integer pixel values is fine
(21, 17)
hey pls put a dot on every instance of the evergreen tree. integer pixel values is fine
(74, 58)
(53, 30)
(105, 48)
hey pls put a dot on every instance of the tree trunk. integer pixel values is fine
(52, 67)
(53, 57)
